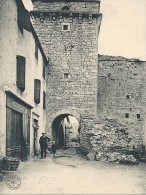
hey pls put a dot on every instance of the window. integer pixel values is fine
(44, 100)
(20, 72)
(127, 96)
(126, 115)
(65, 8)
(36, 50)
(66, 26)
(37, 90)
(66, 76)
(138, 116)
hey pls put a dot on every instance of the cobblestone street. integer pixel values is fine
(73, 174)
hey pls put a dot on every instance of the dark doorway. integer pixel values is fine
(17, 135)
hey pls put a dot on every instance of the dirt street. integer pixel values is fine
(75, 175)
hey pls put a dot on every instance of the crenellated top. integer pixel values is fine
(67, 0)
(74, 6)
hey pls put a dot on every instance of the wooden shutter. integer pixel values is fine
(37, 90)
(23, 17)
(21, 72)
(36, 50)
(26, 20)
(44, 100)
(20, 16)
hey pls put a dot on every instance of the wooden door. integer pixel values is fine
(14, 134)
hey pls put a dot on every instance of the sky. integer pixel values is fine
(123, 28)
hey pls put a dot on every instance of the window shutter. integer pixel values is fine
(21, 72)
(36, 50)
(20, 16)
(44, 100)
(23, 17)
(37, 90)
(26, 20)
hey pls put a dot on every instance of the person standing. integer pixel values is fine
(54, 147)
(43, 144)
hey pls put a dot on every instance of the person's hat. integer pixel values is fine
(43, 133)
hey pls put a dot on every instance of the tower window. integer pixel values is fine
(138, 116)
(126, 115)
(66, 76)
(127, 96)
(65, 8)
(65, 26)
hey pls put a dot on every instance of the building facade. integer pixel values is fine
(22, 83)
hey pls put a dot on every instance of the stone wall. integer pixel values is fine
(72, 72)
(121, 91)
(79, 6)
(108, 140)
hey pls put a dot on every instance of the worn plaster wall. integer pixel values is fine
(15, 43)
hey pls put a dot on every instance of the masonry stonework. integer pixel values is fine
(121, 93)
(72, 75)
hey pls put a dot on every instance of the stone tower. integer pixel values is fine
(68, 31)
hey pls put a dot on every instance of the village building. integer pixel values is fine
(106, 94)
(22, 83)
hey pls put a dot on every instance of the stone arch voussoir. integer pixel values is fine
(69, 111)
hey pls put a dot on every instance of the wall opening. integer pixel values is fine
(65, 26)
(126, 115)
(66, 131)
(65, 8)
(138, 116)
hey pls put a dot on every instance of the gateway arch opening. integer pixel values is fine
(66, 131)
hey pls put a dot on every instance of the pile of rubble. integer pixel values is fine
(110, 141)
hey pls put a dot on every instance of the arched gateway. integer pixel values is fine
(60, 124)
(65, 127)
